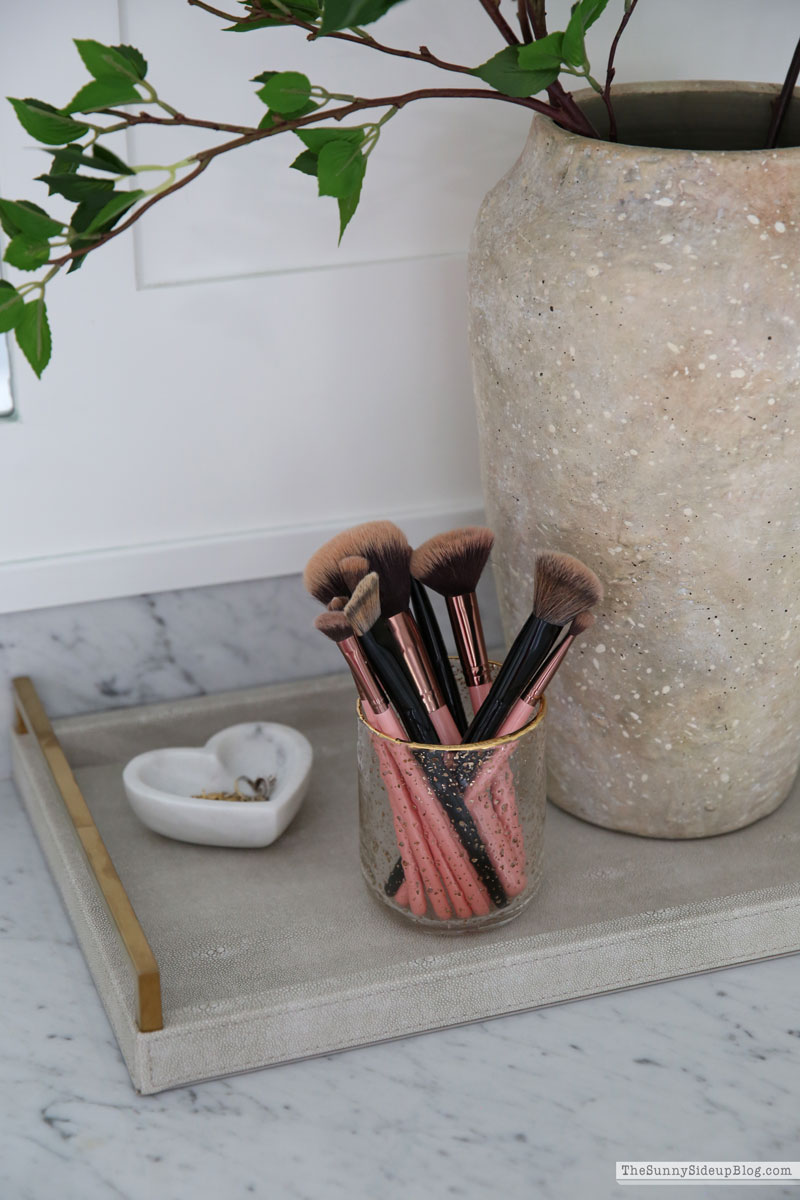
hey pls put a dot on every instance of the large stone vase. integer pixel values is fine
(636, 348)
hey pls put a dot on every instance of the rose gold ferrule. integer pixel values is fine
(415, 657)
(465, 619)
(367, 686)
(547, 672)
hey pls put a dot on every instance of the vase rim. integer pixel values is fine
(764, 91)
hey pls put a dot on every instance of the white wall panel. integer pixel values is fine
(237, 387)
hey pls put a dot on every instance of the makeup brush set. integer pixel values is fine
(445, 751)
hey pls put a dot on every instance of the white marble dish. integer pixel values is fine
(164, 786)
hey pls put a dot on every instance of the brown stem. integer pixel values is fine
(248, 135)
(610, 72)
(781, 105)
(106, 237)
(538, 17)
(559, 98)
(216, 11)
(524, 21)
(493, 9)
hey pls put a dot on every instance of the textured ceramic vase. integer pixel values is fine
(636, 353)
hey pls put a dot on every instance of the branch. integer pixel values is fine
(524, 21)
(610, 72)
(217, 12)
(422, 55)
(538, 18)
(493, 9)
(247, 135)
(781, 105)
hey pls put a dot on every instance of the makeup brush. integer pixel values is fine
(563, 587)
(523, 712)
(336, 627)
(419, 867)
(451, 564)
(402, 772)
(387, 549)
(337, 604)
(363, 611)
(494, 775)
(431, 635)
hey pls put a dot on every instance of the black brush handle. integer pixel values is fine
(530, 649)
(400, 691)
(431, 634)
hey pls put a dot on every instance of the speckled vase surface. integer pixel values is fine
(636, 356)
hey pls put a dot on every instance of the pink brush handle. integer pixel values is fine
(460, 903)
(428, 858)
(519, 715)
(463, 885)
(401, 895)
(477, 694)
(504, 855)
(504, 800)
(445, 726)
(442, 832)
(398, 802)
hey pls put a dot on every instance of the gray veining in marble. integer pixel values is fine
(142, 649)
(536, 1105)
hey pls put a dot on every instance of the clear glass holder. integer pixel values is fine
(451, 836)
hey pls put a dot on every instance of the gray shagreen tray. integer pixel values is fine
(272, 955)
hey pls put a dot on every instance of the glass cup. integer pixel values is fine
(451, 836)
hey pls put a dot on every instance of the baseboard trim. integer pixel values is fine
(194, 562)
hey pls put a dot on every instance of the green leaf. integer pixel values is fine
(504, 73)
(11, 306)
(46, 123)
(347, 207)
(103, 93)
(27, 253)
(66, 162)
(344, 14)
(76, 187)
(106, 160)
(21, 216)
(286, 92)
(33, 334)
(305, 162)
(340, 169)
(544, 55)
(85, 213)
(110, 213)
(249, 26)
(135, 58)
(584, 14)
(315, 139)
(106, 62)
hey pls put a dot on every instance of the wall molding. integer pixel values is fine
(194, 562)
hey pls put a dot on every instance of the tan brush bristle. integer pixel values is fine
(353, 568)
(337, 604)
(563, 587)
(364, 606)
(583, 621)
(334, 625)
(452, 563)
(322, 576)
(387, 550)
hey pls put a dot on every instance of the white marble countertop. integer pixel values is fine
(540, 1104)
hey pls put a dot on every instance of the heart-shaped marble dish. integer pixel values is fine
(164, 786)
